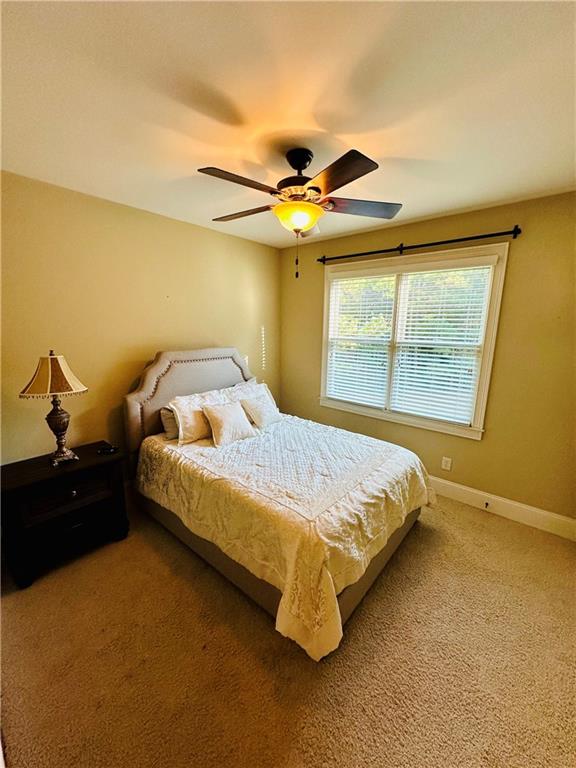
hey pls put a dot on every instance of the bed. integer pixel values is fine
(302, 518)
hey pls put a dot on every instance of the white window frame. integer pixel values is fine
(495, 255)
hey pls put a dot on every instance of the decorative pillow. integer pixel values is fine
(229, 423)
(192, 424)
(169, 423)
(262, 410)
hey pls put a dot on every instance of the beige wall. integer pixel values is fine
(108, 286)
(527, 452)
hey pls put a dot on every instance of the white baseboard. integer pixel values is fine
(513, 510)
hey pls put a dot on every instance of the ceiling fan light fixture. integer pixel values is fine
(298, 216)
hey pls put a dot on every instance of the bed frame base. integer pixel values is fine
(262, 593)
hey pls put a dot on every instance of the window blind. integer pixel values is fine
(360, 331)
(409, 342)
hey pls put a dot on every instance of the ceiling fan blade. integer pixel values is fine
(310, 232)
(227, 176)
(347, 168)
(241, 214)
(363, 207)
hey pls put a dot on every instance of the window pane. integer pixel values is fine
(362, 307)
(358, 372)
(441, 318)
(437, 382)
(360, 329)
(443, 306)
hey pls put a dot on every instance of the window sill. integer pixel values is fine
(448, 428)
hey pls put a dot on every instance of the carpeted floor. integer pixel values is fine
(139, 655)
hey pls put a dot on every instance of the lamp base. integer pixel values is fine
(61, 457)
(58, 420)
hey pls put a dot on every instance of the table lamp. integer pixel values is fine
(53, 378)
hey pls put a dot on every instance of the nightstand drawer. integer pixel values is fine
(57, 496)
(69, 534)
(94, 515)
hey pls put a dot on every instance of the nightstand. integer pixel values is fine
(50, 513)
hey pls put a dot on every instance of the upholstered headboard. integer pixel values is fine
(178, 373)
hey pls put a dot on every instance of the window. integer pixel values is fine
(411, 339)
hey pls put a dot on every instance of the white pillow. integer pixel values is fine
(192, 423)
(229, 423)
(262, 410)
(169, 422)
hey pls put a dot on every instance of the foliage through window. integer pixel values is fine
(409, 340)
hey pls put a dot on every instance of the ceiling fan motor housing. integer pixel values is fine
(292, 181)
(294, 187)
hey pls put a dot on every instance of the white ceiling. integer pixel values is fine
(463, 105)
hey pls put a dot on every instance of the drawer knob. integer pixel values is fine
(73, 494)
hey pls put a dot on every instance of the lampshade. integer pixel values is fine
(299, 215)
(53, 377)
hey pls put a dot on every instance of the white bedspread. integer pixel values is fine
(302, 505)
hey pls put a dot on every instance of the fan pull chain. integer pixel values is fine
(297, 252)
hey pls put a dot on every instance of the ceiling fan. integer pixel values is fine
(302, 200)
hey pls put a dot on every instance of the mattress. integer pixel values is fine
(302, 505)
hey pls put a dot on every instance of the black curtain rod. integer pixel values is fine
(401, 248)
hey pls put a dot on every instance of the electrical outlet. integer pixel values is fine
(446, 463)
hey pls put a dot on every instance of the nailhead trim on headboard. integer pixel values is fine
(165, 371)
